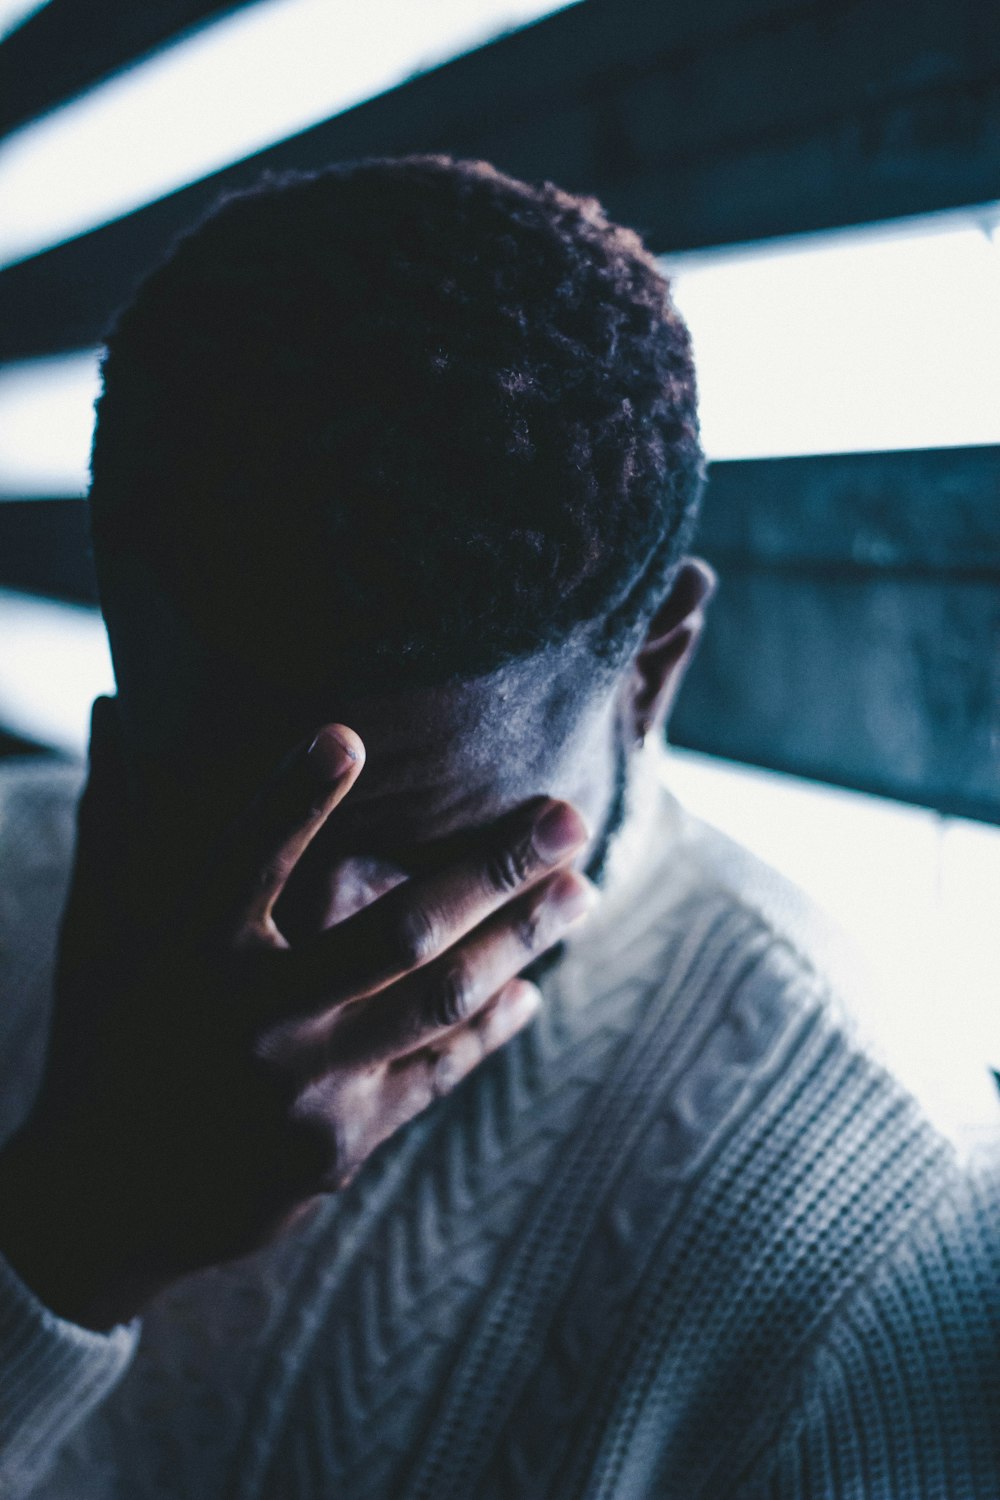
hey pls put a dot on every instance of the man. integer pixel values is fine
(458, 1117)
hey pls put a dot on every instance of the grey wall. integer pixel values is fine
(856, 634)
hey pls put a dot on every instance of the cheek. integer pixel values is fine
(319, 896)
(587, 773)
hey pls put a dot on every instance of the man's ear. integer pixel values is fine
(666, 653)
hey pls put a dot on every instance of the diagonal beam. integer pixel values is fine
(69, 45)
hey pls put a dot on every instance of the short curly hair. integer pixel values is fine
(433, 416)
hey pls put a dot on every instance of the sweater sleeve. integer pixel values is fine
(52, 1373)
(901, 1395)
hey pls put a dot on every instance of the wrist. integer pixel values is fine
(62, 1243)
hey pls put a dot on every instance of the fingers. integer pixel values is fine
(418, 921)
(259, 856)
(101, 817)
(434, 1071)
(383, 1101)
(447, 995)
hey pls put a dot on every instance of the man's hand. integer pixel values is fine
(207, 1082)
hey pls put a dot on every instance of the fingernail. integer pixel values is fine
(558, 831)
(521, 1001)
(569, 898)
(330, 756)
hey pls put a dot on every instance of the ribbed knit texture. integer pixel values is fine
(51, 1374)
(683, 1238)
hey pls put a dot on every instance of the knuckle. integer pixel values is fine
(450, 998)
(531, 926)
(412, 939)
(421, 1092)
(509, 867)
(270, 873)
(446, 1073)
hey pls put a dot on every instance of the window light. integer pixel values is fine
(46, 423)
(14, 13)
(256, 76)
(862, 340)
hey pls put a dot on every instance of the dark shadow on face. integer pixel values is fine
(443, 766)
(444, 770)
(596, 867)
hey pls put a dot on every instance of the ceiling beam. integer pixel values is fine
(70, 45)
(701, 125)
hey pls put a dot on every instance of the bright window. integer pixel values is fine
(259, 75)
(54, 661)
(859, 341)
(46, 424)
(13, 13)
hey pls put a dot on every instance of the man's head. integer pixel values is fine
(411, 445)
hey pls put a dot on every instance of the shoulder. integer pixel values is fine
(37, 823)
(680, 884)
(782, 1164)
(37, 813)
(38, 798)
(899, 1392)
(831, 1133)
(732, 873)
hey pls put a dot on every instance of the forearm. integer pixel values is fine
(53, 1371)
(60, 1238)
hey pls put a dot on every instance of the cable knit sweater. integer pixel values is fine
(683, 1238)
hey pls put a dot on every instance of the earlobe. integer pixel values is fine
(669, 647)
